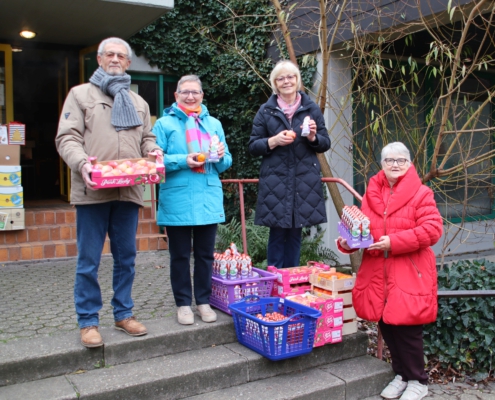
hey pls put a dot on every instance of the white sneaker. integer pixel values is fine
(206, 313)
(185, 315)
(414, 391)
(394, 389)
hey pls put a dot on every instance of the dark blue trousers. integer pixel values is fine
(284, 247)
(202, 240)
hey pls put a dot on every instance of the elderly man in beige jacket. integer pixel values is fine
(104, 119)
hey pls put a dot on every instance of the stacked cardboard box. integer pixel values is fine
(11, 191)
(337, 287)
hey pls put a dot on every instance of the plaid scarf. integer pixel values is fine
(197, 141)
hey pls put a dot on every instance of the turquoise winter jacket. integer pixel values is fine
(188, 198)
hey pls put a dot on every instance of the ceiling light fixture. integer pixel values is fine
(27, 34)
(16, 49)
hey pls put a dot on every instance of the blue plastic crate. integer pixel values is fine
(275, 340)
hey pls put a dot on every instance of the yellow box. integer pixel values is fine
(10, 175)
(11, 197)
(12, 219)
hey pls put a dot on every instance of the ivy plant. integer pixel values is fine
(225, 44)
(463, 335)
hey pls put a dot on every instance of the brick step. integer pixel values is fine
(64, 215)
(46, 233)
(37, 250)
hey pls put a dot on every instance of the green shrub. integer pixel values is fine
(257, 240)
(462, 336)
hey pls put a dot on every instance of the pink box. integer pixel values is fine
(333, 306)
(154, 174)
(333, 335)
(291, 276)
(319, 339)
(283, 291)
(310, 300)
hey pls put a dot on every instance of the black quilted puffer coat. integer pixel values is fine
(290, 181)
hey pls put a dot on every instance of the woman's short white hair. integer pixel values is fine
(189, 78)
(116, 40)
(281, 66)
(397, 148)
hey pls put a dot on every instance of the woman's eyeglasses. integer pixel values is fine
(281, 79)
(400, 161)
(186, 93)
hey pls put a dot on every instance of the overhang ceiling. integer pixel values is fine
(76, 22)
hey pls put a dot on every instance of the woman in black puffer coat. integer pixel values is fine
(290, 194)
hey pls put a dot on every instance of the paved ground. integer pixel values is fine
(36, 299)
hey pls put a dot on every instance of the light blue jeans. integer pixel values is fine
(120, 220)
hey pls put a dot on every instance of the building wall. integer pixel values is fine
(470, 238)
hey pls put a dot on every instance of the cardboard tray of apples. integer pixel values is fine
(128, 172)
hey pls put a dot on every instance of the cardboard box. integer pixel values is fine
(333, 283)
(17, 133)
(11, 197)
(10, 155)
(349, 327)
(345, 296)
(12, 219)
(121, 178)
(4, 135)
(333, 335)
(10, 175)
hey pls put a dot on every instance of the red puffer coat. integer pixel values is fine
(401, 289)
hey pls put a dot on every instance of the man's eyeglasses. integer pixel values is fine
(400, 161)
(186, 93)
(281, 79)
(111, 54)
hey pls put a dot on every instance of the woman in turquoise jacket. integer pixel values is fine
(191, 199)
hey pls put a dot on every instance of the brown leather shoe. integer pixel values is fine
(90, 337)
(131, 327)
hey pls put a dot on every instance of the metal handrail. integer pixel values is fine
(241, 183)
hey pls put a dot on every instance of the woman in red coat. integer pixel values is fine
(397, 282)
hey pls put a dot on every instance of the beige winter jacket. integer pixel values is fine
(85, 130)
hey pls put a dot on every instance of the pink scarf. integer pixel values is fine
(289, 109)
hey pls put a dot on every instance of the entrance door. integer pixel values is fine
(87, 65)
(6, 92)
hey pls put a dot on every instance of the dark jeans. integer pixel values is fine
(179, 245)
(284, 247)
(120, 220)
(405, 343)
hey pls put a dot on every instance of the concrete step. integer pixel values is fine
(216, 373)
(175, 361)
(354, 378)
(25, 360)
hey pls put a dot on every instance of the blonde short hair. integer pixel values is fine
(284, 65)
